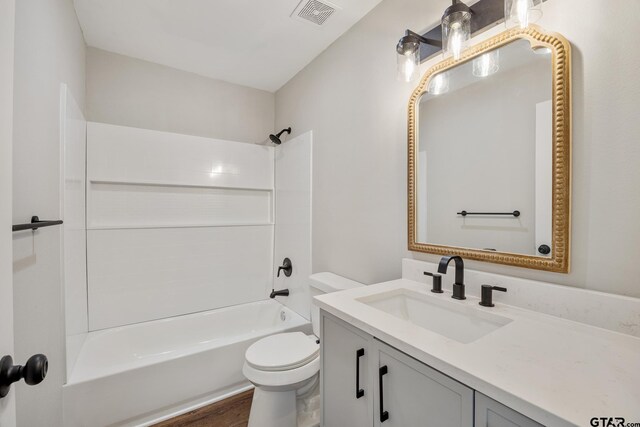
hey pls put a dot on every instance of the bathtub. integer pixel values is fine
(140, 374)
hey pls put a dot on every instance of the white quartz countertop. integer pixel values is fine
(555, 371)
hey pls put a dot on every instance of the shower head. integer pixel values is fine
(276, 138)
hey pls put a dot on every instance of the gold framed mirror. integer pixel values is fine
(489, 153)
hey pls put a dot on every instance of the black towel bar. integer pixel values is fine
(35, 224)
(514, 213)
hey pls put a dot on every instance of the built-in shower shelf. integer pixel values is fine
(140, 182)
(132, 205)
(151, 226)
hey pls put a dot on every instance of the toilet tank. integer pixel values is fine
(324, 283)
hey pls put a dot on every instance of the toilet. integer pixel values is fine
(284, 368)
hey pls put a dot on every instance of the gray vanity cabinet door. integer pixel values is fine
(412, 394)
(490, 413)
(345, 355)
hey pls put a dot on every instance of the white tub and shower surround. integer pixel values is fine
(176, 224)
(140, 374)
(180, 244)
(73, 128)
(293, 169)
(145, 274)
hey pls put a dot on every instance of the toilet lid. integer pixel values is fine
(281, 352)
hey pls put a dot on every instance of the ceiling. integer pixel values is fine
(254, 43)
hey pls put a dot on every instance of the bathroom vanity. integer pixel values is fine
(395, 354)
(388, 378)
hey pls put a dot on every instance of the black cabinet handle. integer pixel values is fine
(359, 391)
(384, 415)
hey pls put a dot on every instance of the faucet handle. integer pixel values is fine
(437, 282)
(286, 266)
(486, 299)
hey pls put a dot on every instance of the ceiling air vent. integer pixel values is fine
(314, 11)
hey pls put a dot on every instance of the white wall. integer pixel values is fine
(293, 165)
(357, 110)
(132, 92)
(49, 50)
(7, 15)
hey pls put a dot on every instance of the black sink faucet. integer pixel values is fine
(458, 285)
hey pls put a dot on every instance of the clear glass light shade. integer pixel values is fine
(456, 32)
(486, 64)
(542, 51)
(408, 62)
(438, 84)
(521, 13)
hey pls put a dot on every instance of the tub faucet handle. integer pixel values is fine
(286, 266)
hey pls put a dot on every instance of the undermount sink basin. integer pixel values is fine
(453, 320)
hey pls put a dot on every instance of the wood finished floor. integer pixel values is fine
(231, 412)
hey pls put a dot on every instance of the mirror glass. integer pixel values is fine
(484, 163)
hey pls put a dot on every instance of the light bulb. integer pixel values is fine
(455, 40)
(521, 13)
(456, 29)
(406, 69)
(409, 63)
(542, 51)
(439, 84)
(486, 64)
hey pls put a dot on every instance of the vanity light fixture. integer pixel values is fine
(487, 64)
(456, 28)
(408, 54)
(521, 13)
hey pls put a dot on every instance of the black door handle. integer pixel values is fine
(359, 391)
(384, 415)
(33, 372)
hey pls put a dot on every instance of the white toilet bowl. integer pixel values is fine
(282, 367)
(285, 368)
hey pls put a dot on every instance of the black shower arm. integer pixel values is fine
(287, 130)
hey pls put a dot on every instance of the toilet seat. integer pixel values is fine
(283, 360)
(282, 380)
(282, 352)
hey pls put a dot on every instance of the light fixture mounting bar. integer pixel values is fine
(426, 40)
(486, 14)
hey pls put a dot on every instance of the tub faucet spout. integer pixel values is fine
(280, 293)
